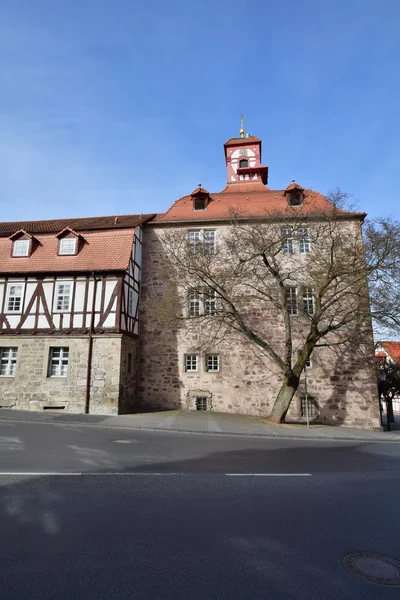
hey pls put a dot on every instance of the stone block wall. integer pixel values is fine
(32, 389)
(341, 387)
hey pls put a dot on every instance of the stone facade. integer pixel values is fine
(113, 382)
(341, 388)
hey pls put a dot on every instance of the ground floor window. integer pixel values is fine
(307, 405)
(8, 361)
(58, 362)
(191, 363)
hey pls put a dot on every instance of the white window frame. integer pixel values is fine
(292, 304)
(67, 242)
(212, 363)
(11, 297)
(60, 363)
(59, 295)
(287, 240)
(308, 301)
(21, 244)
(194, 303)
(303, 235)
(210, 302)
(8, 360)
(200, 240)
(191, 363)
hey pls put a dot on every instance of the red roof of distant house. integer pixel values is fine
(392, 348)
(250, 200)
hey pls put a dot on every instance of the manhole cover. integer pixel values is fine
(124, 441)
(374, 568)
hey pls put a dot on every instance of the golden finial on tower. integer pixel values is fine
(242, 122)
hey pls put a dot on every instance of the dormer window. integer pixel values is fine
(68, 246)
(21, 247)
(295, 200)
(68, 242)
(200, 204)
(200, 198)
(243, 163)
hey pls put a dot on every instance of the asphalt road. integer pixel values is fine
(93, 513)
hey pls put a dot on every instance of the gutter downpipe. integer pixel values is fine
(90, 348)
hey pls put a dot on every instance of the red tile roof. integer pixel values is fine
(77, 224)
(243, 140)
(392, 348)
(249, 200)
(100, 251)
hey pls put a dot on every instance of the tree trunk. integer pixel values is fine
(283, 399)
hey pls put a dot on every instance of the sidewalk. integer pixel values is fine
(206, 423)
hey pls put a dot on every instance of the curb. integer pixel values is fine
(205, 432)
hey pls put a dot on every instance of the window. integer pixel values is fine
(308, 363)
(308, 301)
(21, 247)
(200, 204)
(212, 363)
(14, 303)
(210, 302)
(287, 240)
(194, 242)
(307, 407)
(8, 361)
(58, 363)
(303, 234)
(244, 163)
(209, 241)
(67, 246)
(194, 303)
(191, 363)
(130, 363)
(295, 200)
(130, 301)
(291, 300)
(201, 403)
(202, 239)
(63, 297)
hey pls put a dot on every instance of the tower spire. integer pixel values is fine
(242, 122)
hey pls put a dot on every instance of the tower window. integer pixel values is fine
(243, 163)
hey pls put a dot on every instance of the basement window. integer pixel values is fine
(201, 403)
(307, 405)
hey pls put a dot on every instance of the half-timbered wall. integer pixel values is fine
(37, 309)
(131, 287)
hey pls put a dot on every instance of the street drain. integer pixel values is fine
(375, 568)
(124, 441)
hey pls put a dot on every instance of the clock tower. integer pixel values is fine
(243, 160)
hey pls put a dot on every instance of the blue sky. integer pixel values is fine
(124, 106)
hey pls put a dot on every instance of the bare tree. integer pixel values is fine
(307, 273)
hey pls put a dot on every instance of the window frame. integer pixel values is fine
(212, 370)
(22, 241)
(9, 297)
(304, 240)
(10, 361)
(190, 357)
(57, 295)
(194, 303)
(62, 358)
(242, 160)
(295, 199)
(68, 239)
(202, 200)
(289, 298)
(200, 245)
(307, 295)
(287, 235)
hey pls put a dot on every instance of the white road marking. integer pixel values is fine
(268, 474)
(60, 474)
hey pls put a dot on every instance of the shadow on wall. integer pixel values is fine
(159, 381)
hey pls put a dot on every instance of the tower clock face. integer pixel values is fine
(243, 152)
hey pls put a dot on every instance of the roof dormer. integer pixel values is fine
(294, 194)
(22, 244)
(200, 198)
(69, 242)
